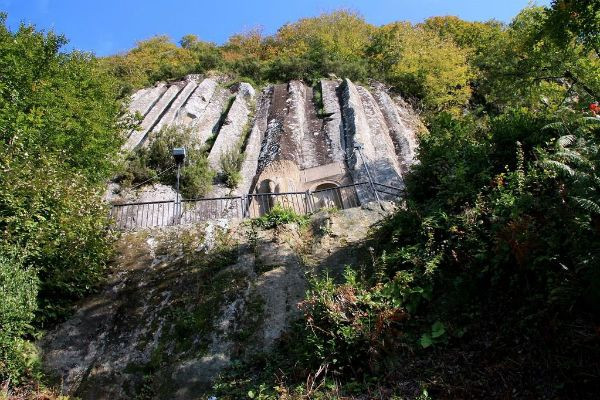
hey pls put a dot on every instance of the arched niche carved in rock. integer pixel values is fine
(327, 194)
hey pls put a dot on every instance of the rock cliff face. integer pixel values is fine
(183, 302)
(315, 128)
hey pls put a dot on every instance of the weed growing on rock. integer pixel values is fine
(231, 164)
(280, 215)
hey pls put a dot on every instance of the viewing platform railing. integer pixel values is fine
(132, 216)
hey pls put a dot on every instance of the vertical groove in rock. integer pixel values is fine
(385, 154)
(196, 104)
(252, 150)
(205, 126)
(404, 138)
(152, 118)
(333, 126)
(355, 130)
(293, 124)
(315, 144)
(232, 130)
(359, 132)
(291, 139)
(271, 143)
(176, 105)
(143, 100)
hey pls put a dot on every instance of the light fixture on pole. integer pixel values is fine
(179, 156)
(358, 148)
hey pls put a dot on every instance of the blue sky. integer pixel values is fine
(112, 26)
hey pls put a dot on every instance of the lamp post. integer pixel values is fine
(358, 149)
(179, 156)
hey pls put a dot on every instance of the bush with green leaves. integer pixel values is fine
(59, 137)
(18, 285)
(231, 165)
(60, 223)
(60, 134)
(280, 215)
(348, 325)
(495, 255)
(497, 239)
(156, 163)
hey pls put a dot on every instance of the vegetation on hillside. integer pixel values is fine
(485, 284)
(155, 163)
(59, 134)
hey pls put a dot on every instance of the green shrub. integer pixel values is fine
(155, 163)
(196, 178)
(347, 325)
(231, 164)
(58, 221)
(59, 138)
(18, 286)
(280, 215)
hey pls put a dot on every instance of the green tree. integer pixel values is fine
(156, 162)
(150, 61)
(208, 55)
(420, 64)
(474, 36)
(312, 48)
(59, 136)
(530, 69)
(578, 20)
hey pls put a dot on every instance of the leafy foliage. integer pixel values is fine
(231, 164)
(152, 60)
(349, 324)
(19, 292)
(496, 246)
(279, 215)
(59, 135)
(420, 64)
(155, 163)
(578, 20)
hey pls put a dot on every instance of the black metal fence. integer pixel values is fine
(131, 216)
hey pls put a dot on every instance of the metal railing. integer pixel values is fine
(388, 190)
(131, 216)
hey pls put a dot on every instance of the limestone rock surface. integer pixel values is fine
(182, 303)
(317, 128)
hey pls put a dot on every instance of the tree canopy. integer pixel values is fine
(59, 136)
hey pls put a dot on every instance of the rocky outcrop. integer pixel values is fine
(271, 147)
(332, 119)
(317, 131)
(403, 127)
(182, 304)
(231, 135)
(152, 118)
(196, 104)
(253, 144)
(169, 117)
(143, 100)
